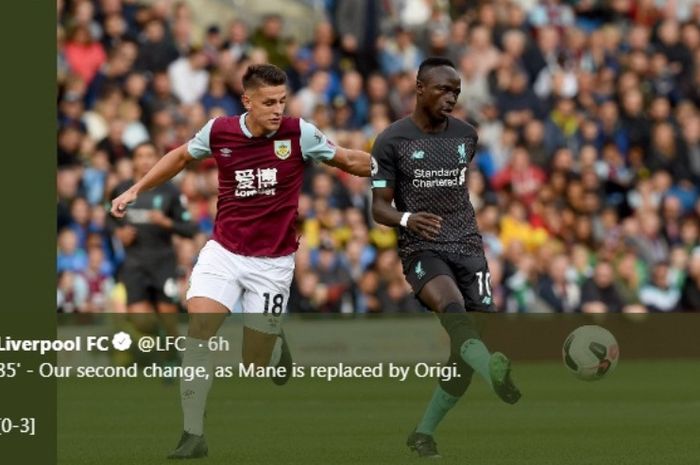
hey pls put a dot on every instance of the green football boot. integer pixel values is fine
(190, 446)
(423, 444)
(500, 371)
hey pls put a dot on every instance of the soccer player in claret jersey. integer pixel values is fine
(421, 163)
(261, 156)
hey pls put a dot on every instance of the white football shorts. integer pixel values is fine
(260, 283)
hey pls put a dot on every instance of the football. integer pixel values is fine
(590, 352)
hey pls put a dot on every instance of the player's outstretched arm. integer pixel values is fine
(172, 163)
(354, 162)
(426, 225)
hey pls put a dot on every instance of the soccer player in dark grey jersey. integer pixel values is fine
(146, 232)
(421, 163)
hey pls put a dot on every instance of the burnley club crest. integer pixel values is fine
(283, 149)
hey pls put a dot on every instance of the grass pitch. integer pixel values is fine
(647, 412)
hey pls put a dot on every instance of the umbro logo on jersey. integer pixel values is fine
(418, 155)
(226, 152)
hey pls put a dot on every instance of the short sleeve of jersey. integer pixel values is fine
(315, 145)
(199, 146)
(383, 164)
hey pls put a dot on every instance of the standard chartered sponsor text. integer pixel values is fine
(438, 178)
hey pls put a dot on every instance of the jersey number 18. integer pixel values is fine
(277, 301)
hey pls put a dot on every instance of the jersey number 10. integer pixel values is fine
(484, 283)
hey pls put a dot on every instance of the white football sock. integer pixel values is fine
(193, 393)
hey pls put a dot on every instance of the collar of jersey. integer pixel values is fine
(245, 129)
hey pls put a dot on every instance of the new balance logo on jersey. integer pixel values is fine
(486, 300)
(418, 155)
(420, 272)
(462, 153)
(226, 152)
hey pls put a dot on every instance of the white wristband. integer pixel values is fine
(404, 219)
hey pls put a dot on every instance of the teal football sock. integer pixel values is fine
(439, 405)
(476, 355)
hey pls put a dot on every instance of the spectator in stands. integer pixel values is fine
(521, 176)
(99, 282)
(218, 96)
(356, 99)
(475, 92)
(599, 294)
(399, 53)
(157, 50)
(113, 144)
(83, 53)
(238, 43)
(659, 295)
(70, 256)
(70, 139)
(691, 147)
(629, 280)
(690, 296)
(71, 292)
(557, 288)
(517, 103)
(189, 77)
(358, 30)
(269, 37)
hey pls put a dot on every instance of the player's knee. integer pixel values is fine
(451, 306)
(202, 326)
(460, 327)
(146, 323)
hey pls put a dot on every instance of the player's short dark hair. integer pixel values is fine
(433, 62)
(265, 74)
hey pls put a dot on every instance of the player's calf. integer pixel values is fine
(285, 361)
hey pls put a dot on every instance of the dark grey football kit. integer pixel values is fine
(150, 267)
(429, 173)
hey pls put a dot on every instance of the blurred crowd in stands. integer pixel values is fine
(586, 181)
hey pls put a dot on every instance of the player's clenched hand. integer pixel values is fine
(120, 203)
(426, 225)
